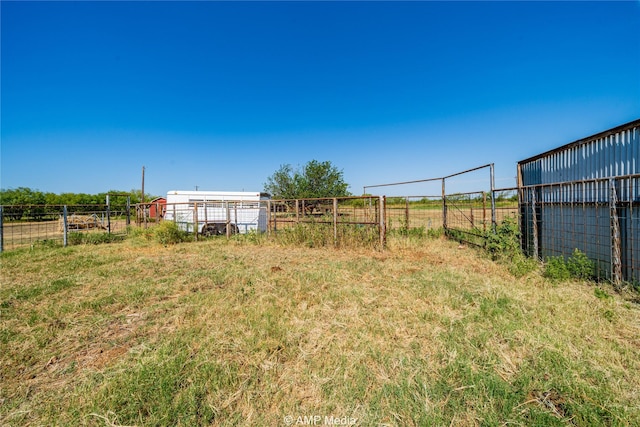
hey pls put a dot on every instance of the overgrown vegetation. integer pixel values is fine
(577, 266)
(79, 238)
(323, 235)
(165, 233)
(233, 333)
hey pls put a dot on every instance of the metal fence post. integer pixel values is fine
(1, 229)
(128, 211)
(228, 221)
(534, 221)
(108, 215)
(383, 228)
(493, 198)
(616, 263)
(444, 206)
(65, 228)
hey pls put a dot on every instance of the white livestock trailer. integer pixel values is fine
(217, 212)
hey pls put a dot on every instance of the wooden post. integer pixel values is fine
(195, 221)
(335, 221)
(406, 213)
(1, 229)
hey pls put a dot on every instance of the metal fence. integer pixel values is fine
(469, 217)
(26, 225)
(600, 217)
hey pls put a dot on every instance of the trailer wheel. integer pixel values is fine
(210, 230)
(233, 229)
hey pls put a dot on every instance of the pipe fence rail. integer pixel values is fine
(600, 217)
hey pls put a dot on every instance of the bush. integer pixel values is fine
(168, 233)
(580, 266)
(506, 239)
(556, 269)
(504, 246)
(577, 266)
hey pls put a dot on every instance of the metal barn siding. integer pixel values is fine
(586, 195)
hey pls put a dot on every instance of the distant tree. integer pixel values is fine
(316, 179)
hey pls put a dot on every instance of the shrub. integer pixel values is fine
(577, 266)
(506, 239)
(168, 233)
(580, 266)
(556, 269)
(504, 246)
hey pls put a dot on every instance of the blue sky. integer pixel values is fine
(220, 94)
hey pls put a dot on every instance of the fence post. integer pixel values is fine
(227, 227)
(383, 225)
(406, 213)
(65, 228)
(269, 217)
(108, 215)
(128, 211)
(444, 206)
(484, 211)
(616, 264)
(1, 229)
(195, 221)
(534, 220)
(493, 198)
(335, 221)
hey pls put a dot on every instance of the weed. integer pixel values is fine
(78, 238)
(580, 266)
(577, 266)
(601, 294)
(504, 246)
(168, 233)
(556, 269)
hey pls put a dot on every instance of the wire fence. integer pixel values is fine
(26, 225)
(600, 217)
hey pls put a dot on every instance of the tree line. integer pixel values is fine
(26, 203)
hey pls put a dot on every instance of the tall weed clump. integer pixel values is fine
(503, 245)
(168, 233)
(165, 233)
(577, 266)
(322, 235)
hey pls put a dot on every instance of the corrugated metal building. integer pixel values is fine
(586, 195)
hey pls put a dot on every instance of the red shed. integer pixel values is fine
(157, 207)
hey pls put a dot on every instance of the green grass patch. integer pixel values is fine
(249, 331)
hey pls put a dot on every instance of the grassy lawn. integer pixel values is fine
(253, 333)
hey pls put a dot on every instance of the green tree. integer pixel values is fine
(316, 179)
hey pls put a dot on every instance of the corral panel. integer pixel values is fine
(573, 186)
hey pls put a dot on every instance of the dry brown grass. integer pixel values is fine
(234, 333)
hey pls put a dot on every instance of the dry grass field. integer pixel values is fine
(251, 332)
